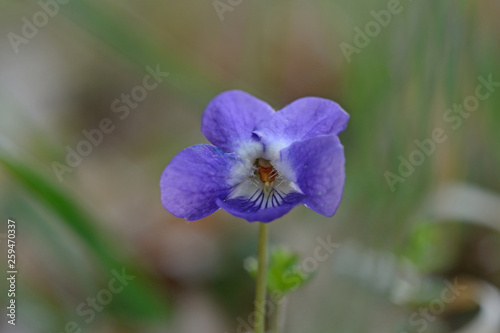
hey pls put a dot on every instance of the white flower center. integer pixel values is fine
(261, 177)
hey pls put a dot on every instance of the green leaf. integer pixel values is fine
(284, 274)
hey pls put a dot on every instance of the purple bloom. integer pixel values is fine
(262, 163)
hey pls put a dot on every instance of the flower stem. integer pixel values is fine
(260, 294)
(275, 318)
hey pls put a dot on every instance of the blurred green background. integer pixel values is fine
(399, 247)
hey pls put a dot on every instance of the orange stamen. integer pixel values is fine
(267, 173)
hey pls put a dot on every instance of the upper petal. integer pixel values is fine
(231, 117)
(194, 180)
(305, 118)
(319, 166)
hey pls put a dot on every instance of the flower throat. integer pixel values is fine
(267, 173)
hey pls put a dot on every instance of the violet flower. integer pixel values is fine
(262, 163)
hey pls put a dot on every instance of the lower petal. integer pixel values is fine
(194, 180)
(261, 206)
(319, 166)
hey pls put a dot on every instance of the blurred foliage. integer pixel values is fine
(140, 301)
(426, 240)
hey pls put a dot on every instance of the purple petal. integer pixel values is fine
(256, 209)
(194, 180)
(319, 168)
(231, 117)
(303, 119)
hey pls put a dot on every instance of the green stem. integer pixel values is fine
(260, 294)
(275, 318)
